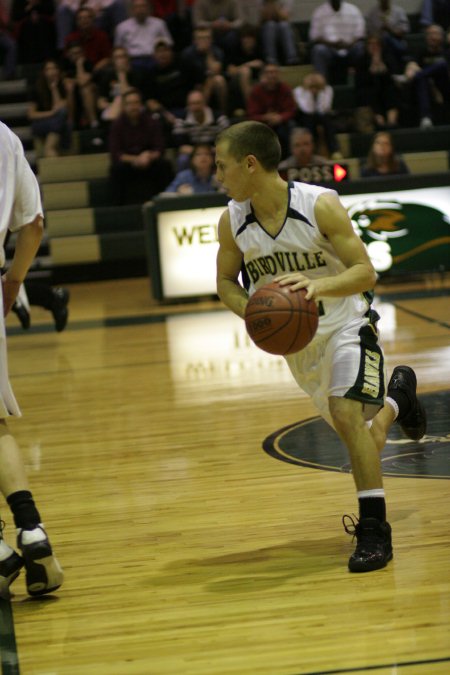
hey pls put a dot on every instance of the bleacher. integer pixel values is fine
(83, 230)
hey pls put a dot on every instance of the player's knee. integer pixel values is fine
(346, 414)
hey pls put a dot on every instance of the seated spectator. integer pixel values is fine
(47, 110)
(429, 75)
(200, 124)
(167, 86)
(435, 12)
(81, 91)
(199, 178)
(336, 32)
(382, 160)
(8, 46)
(271, 101)
(203, 64)
(314, 99)
(223, 17)
(94, 42)
(374, 85)
(301, 161)
(113, 81)
(391, 23)
(178, 17)
(34, 30)
(139, 34)
(138, 169)
(278, 37)
(243, 67)
(107, 15)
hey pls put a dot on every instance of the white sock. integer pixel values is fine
(393, 405)
(377, 492)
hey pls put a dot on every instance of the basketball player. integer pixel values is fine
(342, 369)
(20, 211)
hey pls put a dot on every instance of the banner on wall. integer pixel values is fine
(404, 231)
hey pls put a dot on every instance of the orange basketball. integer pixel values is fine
(281, 321)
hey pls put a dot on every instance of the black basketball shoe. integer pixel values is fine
(374, 544)
(43, 571)
(414, 421)
(10, 565)
(59, 309)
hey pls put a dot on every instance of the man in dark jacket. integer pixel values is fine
(138, 169)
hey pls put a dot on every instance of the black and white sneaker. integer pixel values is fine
(43, 571)
(59, 309)
(374, 544)
(414, 422)
(10, 565)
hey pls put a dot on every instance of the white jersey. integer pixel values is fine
(20, 203)
(298, 247)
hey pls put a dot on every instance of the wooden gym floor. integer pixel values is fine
(187, 549)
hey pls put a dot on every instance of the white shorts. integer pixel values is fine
(347, 364)
(20, 203)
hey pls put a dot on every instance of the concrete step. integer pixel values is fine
(13, 87)
(24, 133)
(10, 111)
(73, 167)
(76, 194)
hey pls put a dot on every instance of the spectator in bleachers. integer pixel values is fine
(337, 32)
(374, 85)
(435, 12)
(271, 101)
(201, 124)
(138, 169)
(303, 155)
(95, 42)
(429, 74)
(251, 12)
(223, 17)
(203, 64)
(382, 159)
(277, 35)
(243, 67)
(391, 22)
(167, 86)
(8, 46)
(47, 110)
(199, 178)
(107, 15)
(139, 34)
(34, 30)
(178, 16)
(80, 87)
(314, 98)
(113, 81)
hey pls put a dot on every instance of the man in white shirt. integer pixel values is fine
(139, 34)
(337, 34)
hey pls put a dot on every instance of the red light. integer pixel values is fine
(339, 172)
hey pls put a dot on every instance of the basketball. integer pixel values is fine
(281, 321)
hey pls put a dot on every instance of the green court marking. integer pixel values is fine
(9, 658)
(424, 317)
(383, 666)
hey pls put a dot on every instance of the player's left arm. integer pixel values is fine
(334, 223)
(27, 244)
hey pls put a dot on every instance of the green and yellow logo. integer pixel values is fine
(403, 236)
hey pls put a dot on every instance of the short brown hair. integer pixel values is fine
(253, 138)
